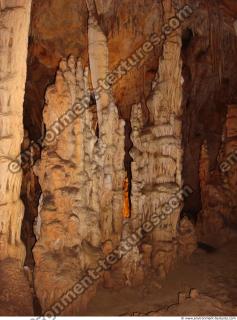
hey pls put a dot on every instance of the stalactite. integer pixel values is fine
(98, 56)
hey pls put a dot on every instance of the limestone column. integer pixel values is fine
(111, 133)
(157, 151)
(67, 227)
(110, 167)
(16, 296)
(14, 28)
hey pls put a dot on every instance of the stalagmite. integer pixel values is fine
(157, 152)
(114, 226)
(111, 134)
(14, 26)
(81, 175)
(68, 225)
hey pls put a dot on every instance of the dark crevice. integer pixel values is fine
(30, 153)
(128, 158)
(187, 37)
(97, 131)
(192, 204)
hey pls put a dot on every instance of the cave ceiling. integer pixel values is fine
(59, 29)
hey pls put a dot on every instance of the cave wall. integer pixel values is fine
(193, 98)
(86, 157)
(209, 45)
(217, 220)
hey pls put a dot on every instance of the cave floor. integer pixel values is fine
(212, 274)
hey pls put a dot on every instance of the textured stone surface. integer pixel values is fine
(208, 47)
(193, 306)
(187, 239)
(55, 35)
(207, 88)
(81, 174)
(209, 42)
(30, 194)
(13, 45)
(84, 210)
(111, 137)
(157, 151)
(67, 227)
(15, 296)
(217, 220)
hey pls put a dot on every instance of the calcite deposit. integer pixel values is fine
(157, 152)
(81, 175)
(14, 27)
(15, 19)
(118, 148)
(67, 226)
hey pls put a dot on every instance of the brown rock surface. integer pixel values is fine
(217, 220)
(187, 239)
(179, 104)
(15, 294)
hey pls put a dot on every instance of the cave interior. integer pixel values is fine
(118, 157)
